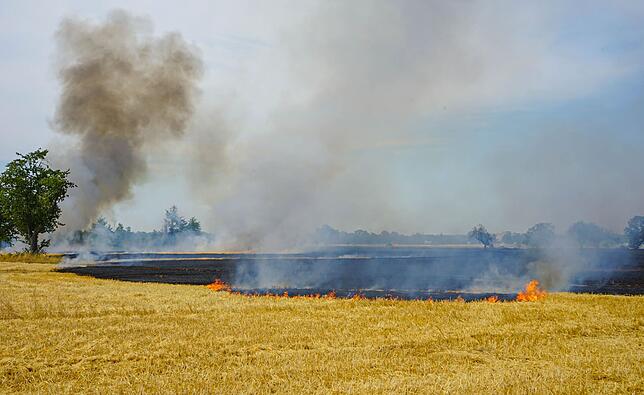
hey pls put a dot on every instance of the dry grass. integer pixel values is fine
(26, 257)
(61, 333)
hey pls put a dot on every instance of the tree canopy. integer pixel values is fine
(30, 196)
(7, 231)
(193, 225)
(540, 235)
(634, 232)
(588, 234)
(174, 224)
(482, 235)
(513, 238)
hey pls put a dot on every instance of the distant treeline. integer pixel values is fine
(31, 193)
(584, 234)
(329, 235)
(176, 231)
(179, 232)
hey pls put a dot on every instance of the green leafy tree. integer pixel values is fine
(7, 231)
(634, 232)
(193, 226)
(30, 197)
(482, 235)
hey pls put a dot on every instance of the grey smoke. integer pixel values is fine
(369, 74)
(124, 90)
(356, 76)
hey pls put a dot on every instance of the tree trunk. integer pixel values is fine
(33, 244)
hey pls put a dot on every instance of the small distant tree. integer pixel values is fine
(634, 232)
(587, 234)
(122, 235)
(540, 235)
(30, 196)
(173, 223)
(513, 238)
(100, 225)
(327, 235)
(482, 235)
(193, 226)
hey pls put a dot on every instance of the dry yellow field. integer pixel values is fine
(61, 333)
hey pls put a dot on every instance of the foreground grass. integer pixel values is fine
(65, 333)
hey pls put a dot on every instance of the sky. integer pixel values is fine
(412, 116)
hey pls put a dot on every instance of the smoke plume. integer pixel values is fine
(365, 75)
(348, 117)
(124, 90)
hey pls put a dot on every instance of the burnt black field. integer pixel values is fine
(398, 272)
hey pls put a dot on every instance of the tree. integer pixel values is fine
(540, 235)
(101, 234)
(634, 232)
(7, 231)
(482, 235)
(513, 238)
(122, 236)
(173, 222)
(588, 234)
(30, 197)
(193, 226)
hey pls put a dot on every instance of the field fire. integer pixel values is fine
(322, 197)
(532, 293)
(377, 272)
(197, 335)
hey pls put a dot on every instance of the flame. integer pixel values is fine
(358, 296)
(219, 285)
(531, 293)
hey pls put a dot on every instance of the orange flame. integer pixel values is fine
(219, 285)
(531, 293)
(492, 299)
(358, 296)
(330, 295)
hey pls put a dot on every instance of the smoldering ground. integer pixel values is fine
(558, 267)
(406, 271)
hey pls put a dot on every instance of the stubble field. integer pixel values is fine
(60, 332)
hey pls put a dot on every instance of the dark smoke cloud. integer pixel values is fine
(123, 91)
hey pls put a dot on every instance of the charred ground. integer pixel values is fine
(402, 272)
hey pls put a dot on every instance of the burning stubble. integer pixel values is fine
(123, 90)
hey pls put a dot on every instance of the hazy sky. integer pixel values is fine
(408, 116)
